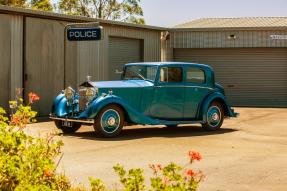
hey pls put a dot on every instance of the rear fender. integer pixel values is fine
(219, 97)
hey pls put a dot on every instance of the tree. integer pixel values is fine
(44, 5)
(118, 10)
(15, 3)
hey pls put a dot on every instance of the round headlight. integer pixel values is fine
(90, 93)
(69, 93)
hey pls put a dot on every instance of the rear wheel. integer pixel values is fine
(73, 126)
(110, 121)
(214, 117)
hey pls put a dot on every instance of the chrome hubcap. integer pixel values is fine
(214, 116)
(111, 121)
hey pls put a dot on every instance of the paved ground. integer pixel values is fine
(249, 153)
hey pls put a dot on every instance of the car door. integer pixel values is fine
(168, 96)
(196, 88)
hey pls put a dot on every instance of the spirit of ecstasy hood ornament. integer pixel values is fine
(89, 78)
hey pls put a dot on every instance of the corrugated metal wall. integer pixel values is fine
(10, 57)
(215, 38)
(221, 39)
(250, 76)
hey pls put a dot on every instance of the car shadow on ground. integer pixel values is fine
(150, 131)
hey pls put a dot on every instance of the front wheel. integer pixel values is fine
(110, 121)
(73, 126)
(214, 117)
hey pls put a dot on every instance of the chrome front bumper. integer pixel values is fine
(89, 121)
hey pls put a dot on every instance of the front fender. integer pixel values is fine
(95, 107)
(216, 96)
(59, 107)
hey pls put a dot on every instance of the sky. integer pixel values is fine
(167, 13)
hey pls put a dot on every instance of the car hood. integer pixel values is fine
(122, 84)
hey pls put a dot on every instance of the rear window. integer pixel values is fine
(195, 75)
(171, 74)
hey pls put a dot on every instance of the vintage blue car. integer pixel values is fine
(165, 93)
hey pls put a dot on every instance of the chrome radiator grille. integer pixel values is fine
(82, 99)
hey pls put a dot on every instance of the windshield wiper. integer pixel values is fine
(143, 78)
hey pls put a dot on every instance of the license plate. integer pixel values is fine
(67, 123)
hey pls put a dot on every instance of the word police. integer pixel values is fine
(84, 34)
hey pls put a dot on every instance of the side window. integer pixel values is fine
(171, 74)
(195, 75)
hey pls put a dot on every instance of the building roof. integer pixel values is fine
(70, 18)
(168, 64)
(243, 22)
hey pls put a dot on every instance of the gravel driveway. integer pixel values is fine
(248, 153)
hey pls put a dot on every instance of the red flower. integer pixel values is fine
(48, 173)
(153, 167)
(190, 173)
(159, 166)
(156, 168)
(193, 155)
(33, 97)
(15, 120)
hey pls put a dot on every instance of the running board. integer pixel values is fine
(89, 121)
(164, 122)
(157, 122)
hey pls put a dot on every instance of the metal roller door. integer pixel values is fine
(122, 51)
(250, 76)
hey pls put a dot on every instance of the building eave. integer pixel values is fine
(226, 29)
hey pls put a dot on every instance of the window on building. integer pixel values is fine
(195, 75)
(171, 74)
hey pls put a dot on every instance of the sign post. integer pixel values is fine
(81, 32)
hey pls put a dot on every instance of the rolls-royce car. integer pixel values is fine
(158, 93)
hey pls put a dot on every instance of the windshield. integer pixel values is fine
(140, 72)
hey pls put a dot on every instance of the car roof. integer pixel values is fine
(169, 64)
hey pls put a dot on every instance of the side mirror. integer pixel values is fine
(119, 72)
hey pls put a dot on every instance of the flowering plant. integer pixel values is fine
(22, 114)
(165, 178)
(176, 177)
(26, 162)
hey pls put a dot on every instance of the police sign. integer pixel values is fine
(84, 34)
